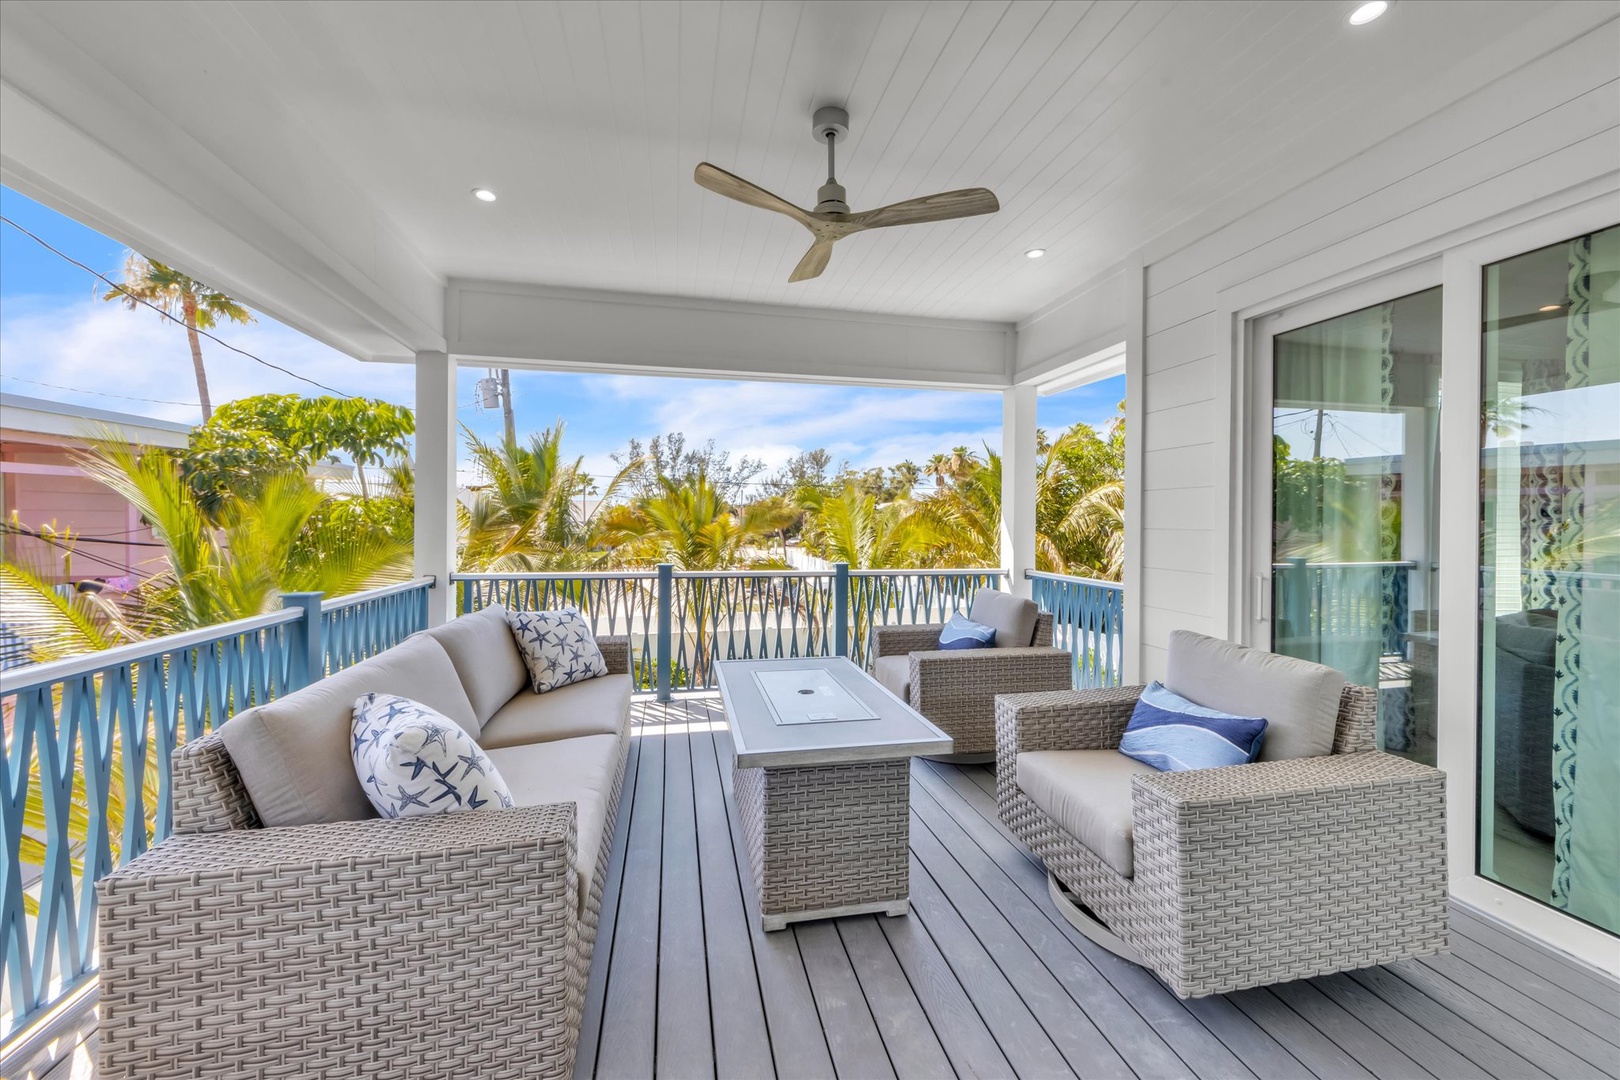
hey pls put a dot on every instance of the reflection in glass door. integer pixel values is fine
(1355, 440)
(1549, 779)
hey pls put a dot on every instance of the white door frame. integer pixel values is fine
(1256, 612)
(1252, 313)
(1459, 720)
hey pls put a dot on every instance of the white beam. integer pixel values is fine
(1135, 301)
(1018, 484)
(511, 325)
(436, 480)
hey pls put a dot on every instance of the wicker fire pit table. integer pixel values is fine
(823, 785)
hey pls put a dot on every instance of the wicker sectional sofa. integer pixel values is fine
(285, 930)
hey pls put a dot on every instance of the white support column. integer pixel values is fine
(436, 479)
(1018, 484)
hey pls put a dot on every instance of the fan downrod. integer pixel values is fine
(830, 124)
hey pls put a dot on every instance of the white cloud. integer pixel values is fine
(107, 355)
(774, 421)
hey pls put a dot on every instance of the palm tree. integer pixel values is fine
(527, 519)
(907, 475)
(963, 520)
(688, 524)
(939, 467)
(199, 307)
(258, 547)
(850, 527)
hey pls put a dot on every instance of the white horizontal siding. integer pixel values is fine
(1550, 126)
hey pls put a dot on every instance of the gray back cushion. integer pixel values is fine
(294, 752)
(1012, 616)
(1299, 699)
(486, 657)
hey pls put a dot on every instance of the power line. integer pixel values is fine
(99, 393)
(136, 299)
(23, 530)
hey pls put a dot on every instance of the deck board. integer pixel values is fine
(685, 1032)
(985, 978)
(742, 1041)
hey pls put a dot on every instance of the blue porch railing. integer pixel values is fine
(85, 780)
(1087, 619)
(680, 623)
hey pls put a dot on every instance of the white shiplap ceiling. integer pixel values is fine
(1101, 126)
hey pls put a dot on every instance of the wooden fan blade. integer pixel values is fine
(814, 261)
(945, 206)
(721, 182)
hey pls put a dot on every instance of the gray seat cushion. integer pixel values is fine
(1299, 699)
(486, 657)
(893, 673)
(1088, 792)
(294, 752)
(579, 771)
(599, 706)
(1012, 616)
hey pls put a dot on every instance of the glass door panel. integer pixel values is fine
(1355, 442)
(1549, 780)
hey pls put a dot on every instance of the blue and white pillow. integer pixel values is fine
(963, 633)
(1173, 734)
(557, 646)
(414, 762)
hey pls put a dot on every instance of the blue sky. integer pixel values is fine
(55, 330)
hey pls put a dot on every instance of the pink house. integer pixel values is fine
(45, 489)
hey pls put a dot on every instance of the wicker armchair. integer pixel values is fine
(956, 689)
(1246, 875)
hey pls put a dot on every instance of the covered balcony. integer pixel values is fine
(1286, 224)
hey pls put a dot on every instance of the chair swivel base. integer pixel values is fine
(1083, 921)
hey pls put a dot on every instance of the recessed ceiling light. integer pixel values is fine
(483, 194)
(1367, 12)
(1034, 253)
(1551, 307)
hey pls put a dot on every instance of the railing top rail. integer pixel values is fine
(1303, 564)
(962, 570)
(694, 575)
(354, 599)
(1043, 575)
(644, 574)
(18, 680)
(564, 575)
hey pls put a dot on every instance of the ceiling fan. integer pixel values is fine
(832, 220)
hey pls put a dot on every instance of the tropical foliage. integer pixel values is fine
(253, 438)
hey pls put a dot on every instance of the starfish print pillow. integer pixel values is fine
(413, 762)
(557, 646)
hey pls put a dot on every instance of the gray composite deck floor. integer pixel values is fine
(984, 978)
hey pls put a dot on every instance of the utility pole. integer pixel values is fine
(506, 405)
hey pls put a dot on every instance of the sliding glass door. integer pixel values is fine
(1354, 501)
(1549, 781)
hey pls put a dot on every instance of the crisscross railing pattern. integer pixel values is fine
(1087, 620)
(364, 624)
(85, 775)
(682, 622)
(623, 604)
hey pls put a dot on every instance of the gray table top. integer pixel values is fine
(899, 731)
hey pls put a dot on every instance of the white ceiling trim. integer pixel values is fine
(588, 330)
(77, 139)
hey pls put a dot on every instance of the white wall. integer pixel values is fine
(1550, 127)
